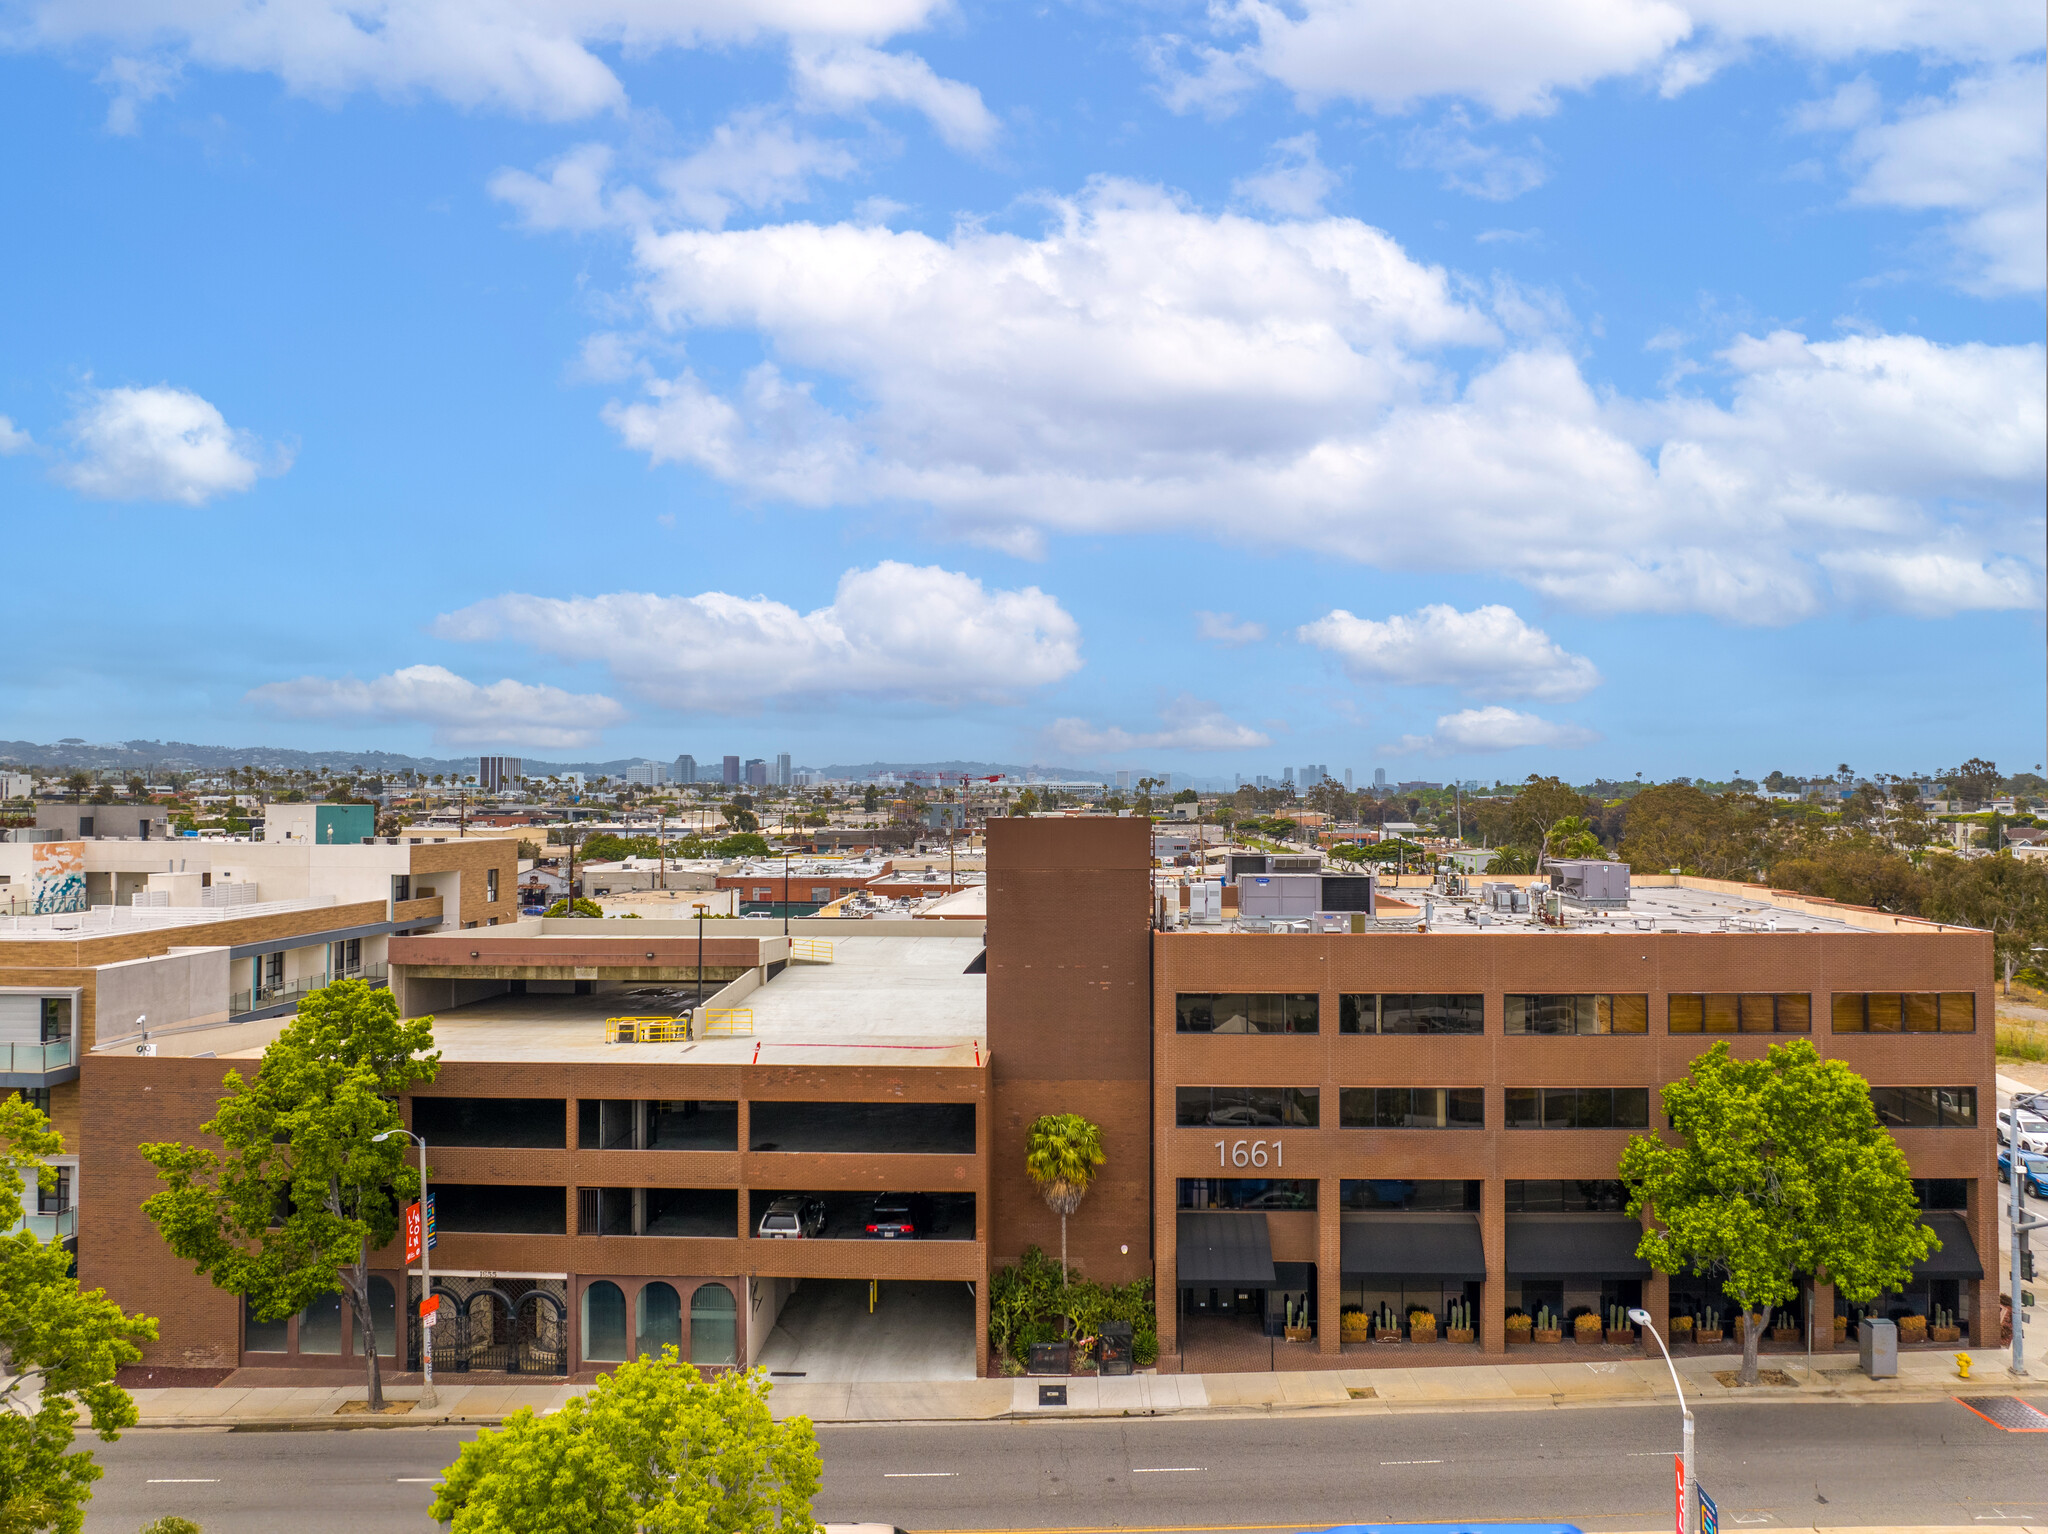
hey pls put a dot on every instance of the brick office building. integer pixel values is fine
(1439, 1112)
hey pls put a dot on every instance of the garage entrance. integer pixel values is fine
(919, 1331)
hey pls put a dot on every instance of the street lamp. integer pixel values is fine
(428, 1400)
(1690, 1511)
(698, 1009)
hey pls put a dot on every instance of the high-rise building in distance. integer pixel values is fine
(685, 770)
(732, 770)
(757, 772)
(496, 772)
(1379, 777)
(782, 769)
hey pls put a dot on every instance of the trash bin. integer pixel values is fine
(1113, 1348)
(1877, 1344)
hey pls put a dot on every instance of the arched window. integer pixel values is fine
(660, 1320)
(383, 1316)
(713, 1336)
(604, 1323)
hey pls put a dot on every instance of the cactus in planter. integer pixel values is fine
(1458, 1321)
(1548, 1327)
(1942, 1327)
(1709, 1329)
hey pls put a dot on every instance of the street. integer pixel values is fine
(1768, 1464)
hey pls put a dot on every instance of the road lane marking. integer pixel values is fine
(919, 1475)
(1172, 1470)
(418, 1480)
(1411, 1462)
(184, 1480)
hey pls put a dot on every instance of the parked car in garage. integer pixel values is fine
(793, 1218)
(900, 1216)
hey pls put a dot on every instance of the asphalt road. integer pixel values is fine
(1604, 1468)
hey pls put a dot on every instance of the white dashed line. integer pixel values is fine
(1172, 1470)
(919, 1475)
(184, 1480)
(1411, 1462)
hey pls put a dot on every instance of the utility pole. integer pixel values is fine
(2022, 1222)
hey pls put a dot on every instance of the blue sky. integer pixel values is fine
(1591, 386)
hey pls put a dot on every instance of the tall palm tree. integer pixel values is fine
(1062, 1154)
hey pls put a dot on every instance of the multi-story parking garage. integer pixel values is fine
(1416, 1111)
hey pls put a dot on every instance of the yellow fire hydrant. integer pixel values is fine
(1962, 1366)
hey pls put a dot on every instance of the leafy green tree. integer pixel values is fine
(1780, 1167)
(62, 1347)
(1061, 1155)
(1572, 837)
(577, 907)
(303, 1193)
(742, 844)
(2005, 895)
(740, 818)
(653, 1449)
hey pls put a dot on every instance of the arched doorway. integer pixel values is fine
(714, 1329)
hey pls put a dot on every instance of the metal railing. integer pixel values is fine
(29, 1058)
(810, 950)
(727, 1022)
(50, 1227)
(296, 990)
(646, 1030)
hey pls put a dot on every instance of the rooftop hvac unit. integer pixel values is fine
(1243, 863)
(1296, 863)
(1279, 897)
(1593, 882)
(1348, 892)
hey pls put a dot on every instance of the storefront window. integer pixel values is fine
(713, 1337)
(259, 1336)
(659, 1323)
(320, 1325)
(604, 1322)
(384, 1317)
(1411, 1014)
(1246, 1012)
(1247, 1193)
(1576, 1014)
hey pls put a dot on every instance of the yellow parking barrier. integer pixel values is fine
(810, 950)
(727, 1022)
(646, 1030)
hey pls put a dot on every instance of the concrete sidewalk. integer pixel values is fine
(1363, 1391)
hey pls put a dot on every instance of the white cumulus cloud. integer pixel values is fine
(14, 439)
(1189, 725)
(1294, 181)
(462, 712)
(1490, 650)
(1143, 366)
(899, 631)
(540, 58)
(1225, 628)
(1490, 729)
(846, 77)
(159, 444)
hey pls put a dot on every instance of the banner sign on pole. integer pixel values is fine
(413, 1232)
(432, 1240)
(429, 1305)
(1710, 1516)
(1679, 1465)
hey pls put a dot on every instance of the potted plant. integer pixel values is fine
(1458, 1322)
(1619, 1328)
(1386, 1326)
(1586, 1328)
(1787, 1331)
(1943, 1327)
(1709, 1329)
(1521, 1326)
(1354, 1325)
(1841, 1329)
(1421, 1326)
(1296, 1328)
(1912, 1328)
(1548, 1327)
(1681, 1328)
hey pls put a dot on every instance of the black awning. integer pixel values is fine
(1224, 1248)
(1574, 1246)
(1958, 1255)
(1413, 1246)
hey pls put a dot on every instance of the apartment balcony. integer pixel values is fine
(38, 1065)
(46, 1228)
(272, 999)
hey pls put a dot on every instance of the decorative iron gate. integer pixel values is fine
(504, 1326)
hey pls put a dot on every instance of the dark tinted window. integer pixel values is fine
(1925, 1107)
(1910, 1012)
(533, 1122)
(1369, 1193)
(1246, 1012)
(1591, 1014)
(1247, 1107)
(1565, 1196)
(1247, 1193)
(1412, 1014)
(1412, 1107)
(1578, 1107)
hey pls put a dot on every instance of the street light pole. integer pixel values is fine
(699, 1007)
(1690, 1513)
(428, 1400)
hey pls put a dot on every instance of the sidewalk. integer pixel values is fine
(1835, 1377)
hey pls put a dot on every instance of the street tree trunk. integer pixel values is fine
(355, 1287)
(1063, 1250)
(1752, 1340)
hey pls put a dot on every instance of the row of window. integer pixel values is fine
(1438, 1195)
(1526, 1107)
(1582, 1014)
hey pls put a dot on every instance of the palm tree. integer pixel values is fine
(1062, 1154)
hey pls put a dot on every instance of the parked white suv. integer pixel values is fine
(2032, 1129)
(793, 1219)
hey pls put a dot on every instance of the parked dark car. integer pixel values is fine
(900, 1216)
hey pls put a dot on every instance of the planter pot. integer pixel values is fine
(1422, 1334)
(1519, 1334)
(1913, 1329)
(1944, 1334)
(1297, 1333)
(1587, 1335)
(1464, 1334)
(1349, 1333)
(1622, 1335)
(1841, 1328)
(1786, 1333)
(1707, 1334)
(1681, 1328)
(1554, 1335)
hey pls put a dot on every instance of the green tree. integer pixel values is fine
(742, 844)
(1061, 1156)
(304, 1193)
(653, 1449)
(2005, 895)
(1572, 837)
(578, 907)
(62, 1347)
(1675, 825)
(1975, 781)
(1780, 1167)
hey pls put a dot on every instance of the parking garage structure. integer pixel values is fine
(1352, 1126)
(596, 1198)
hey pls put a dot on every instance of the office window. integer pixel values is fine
(1750, 1012)
(1576, 1014)
(1925, 1107)
(1942, 1192)
(1248, 1107)
(56, 1019)
(490, 884)
(1578, 1107)
(1255, 1193)
(1412, 1107)
(37, 1098)
(1411, 1014)
(1910, 1012)
(1239, 1012)
(1565, 1196)
(1408, 1193)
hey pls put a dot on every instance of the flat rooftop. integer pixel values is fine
(110, 920)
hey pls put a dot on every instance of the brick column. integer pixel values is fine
(1657, 1301)
(1985, 1199)
(1493, 1235)
(1329, 1265)
(1821, 1299)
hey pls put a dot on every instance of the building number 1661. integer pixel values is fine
(1248, 1152)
